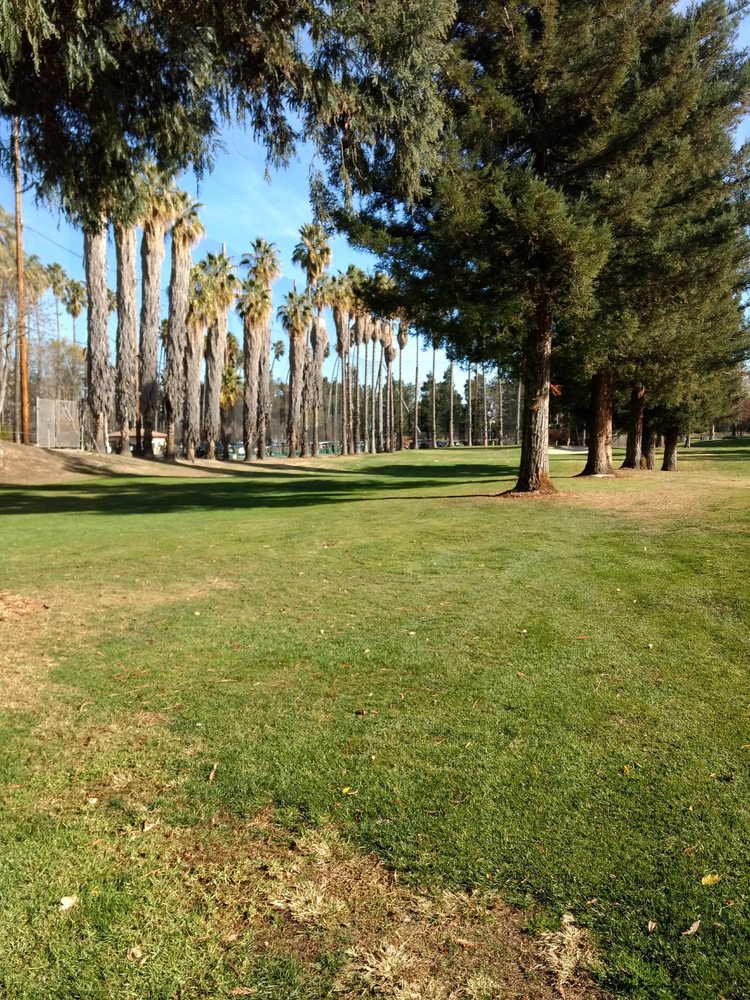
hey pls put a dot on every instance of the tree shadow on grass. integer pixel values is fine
(238, 490)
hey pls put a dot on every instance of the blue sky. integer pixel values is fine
(239, 204)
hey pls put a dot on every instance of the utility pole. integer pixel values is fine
(22, 368)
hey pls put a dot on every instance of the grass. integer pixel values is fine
(546, 699)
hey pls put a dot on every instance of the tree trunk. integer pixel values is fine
(251, 348)
(712, 435)
(296, 375)
(319, 341)
(648, 458)
(634, 446)
(671, 436)
(177, 336)
(98, 376)
(152, 256)
(433, 415)
(127, 334)
(23, 368)
(688, 442)
(381, 441)
(307, 396)
(451, 425)
(191, 429)
(599, 462)
(373, 401)
(470, 415)
(518, 411)
(264, 390)
(357, 402)
(533, 475)
(216, 345)
(416, 395)
(485, 426)
(366, 424)
(501, 433)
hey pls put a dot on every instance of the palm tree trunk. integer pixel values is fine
(216, 345)
(470, 415)
(152, 257)
(177, 335)
(296, 375)
(451, 428)
(381, 435)
(357, 405)
(23, 370)
(366, 433)
(373, 421)
(264, 390)
(98, 379)
(400, 399)
(501, 433)
(307, 391)
(434, 397)
(127, 334)
(485, 425)
(193, 362)
(251, 348)
(416, 396)
(344, 414)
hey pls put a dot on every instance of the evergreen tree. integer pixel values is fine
(557, 112)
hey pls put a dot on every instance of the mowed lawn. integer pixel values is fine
(547, 699)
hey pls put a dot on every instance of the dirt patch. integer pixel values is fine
(16, 608)
(31, 466)
(314, 895)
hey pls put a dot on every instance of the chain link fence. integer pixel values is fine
(58, 423)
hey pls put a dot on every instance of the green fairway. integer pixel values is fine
(548, 699)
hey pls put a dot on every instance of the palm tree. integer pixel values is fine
(58, 279)
(342, 295)
(403, 340)
(200, 311)
(158, 213)
(75, 300)
(231, 390)
(366, 337)
(127, 332)
(319, 343)
(416, 395)
(224, 291)
(451, 424)
(295, 316)
(98, 371)
(263, 262)
(375, 337)
(254, 306)
(313, 252)
(186, 231)
(434, 395)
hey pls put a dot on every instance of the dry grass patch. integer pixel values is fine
(315, 895)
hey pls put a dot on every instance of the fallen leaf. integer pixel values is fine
(212, 775)
(146, 826)
(243, 991)
(68, 902)
(627, 769)
(691, 929)
(583, 637)
(348, 791)
(651, 926)
(710, 879)
(135, 954)
(464, 943)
